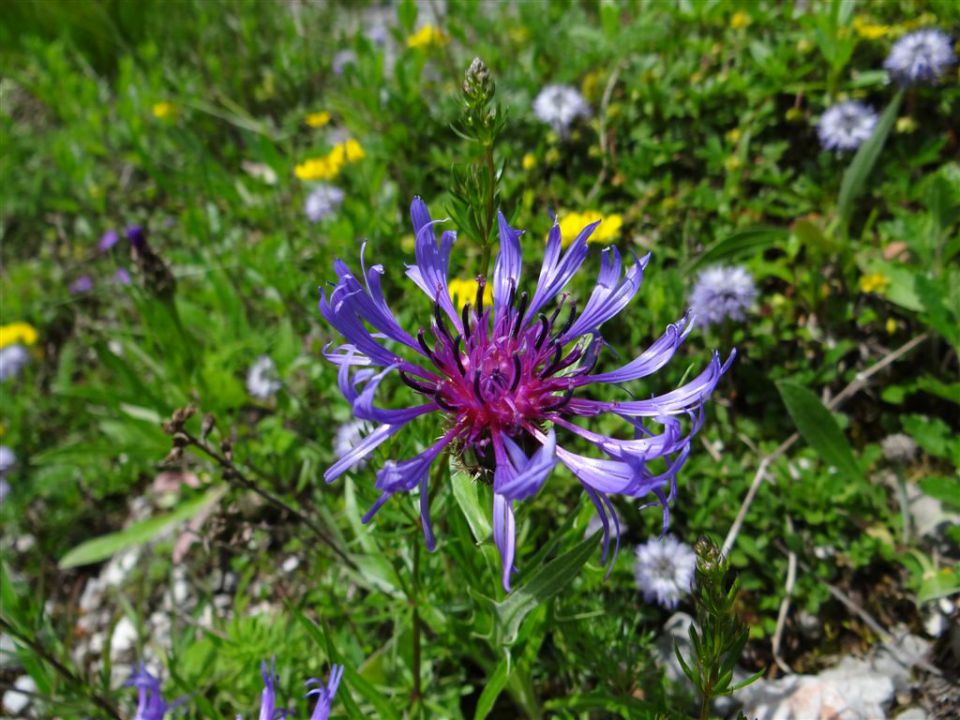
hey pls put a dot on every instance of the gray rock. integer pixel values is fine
(850, 691)
(124, 638)
(19, 697)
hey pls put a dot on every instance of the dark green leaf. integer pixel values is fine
(542, 585)
(818, 427)
(105, 546)
(855, 178)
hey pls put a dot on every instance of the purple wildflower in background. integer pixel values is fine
(8, 458)
(846, 125)
(137, 236)
(341, 59)
(503, 379)
(722, 292)
(919, 57)
(325, 695)
(122, 277)
(13, 358)
(665, 570)
(108, 240)
(150, 702)
(323, 201)
(262, 381)
(82, 284)
(559, 106)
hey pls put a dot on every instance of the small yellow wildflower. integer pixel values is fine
(794, 114)
(18, 332)
(529, 161)
(572, 223)
(353, 150)
(868, 30)
(891, 326)
(874, 283)
(427, 37)
(740, 20)
(317, 119)
(734, 135)
(322, 168)
(164, 110)
(518, 34)
(329, 166)
(465, 291)
(906, 124)
(590, 86)
(733, 163)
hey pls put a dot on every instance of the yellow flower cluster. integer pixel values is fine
(427, 37)
(317, 119)
(529, 161)
(874, 283)
(740, 20)
(18, 332)
(164, 110)
(330, 165)
(607, 231)
(465, 291)
(868, 30)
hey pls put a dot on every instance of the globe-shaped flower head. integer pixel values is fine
(322, 202)
(920, 57)
(559, 106)
(665, 570)
(846, 125)
(722, 292)
(503, 380)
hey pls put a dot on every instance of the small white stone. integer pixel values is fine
(913, 713)
(25, 543)
(291, 564)
(124, 637)
(97, 641)
(20, 696)
(935, 622)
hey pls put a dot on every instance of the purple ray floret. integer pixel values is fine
(504, 379)
(325, 695)
(150, 702)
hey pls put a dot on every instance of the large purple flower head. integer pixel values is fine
(504, 379)
(150, 702)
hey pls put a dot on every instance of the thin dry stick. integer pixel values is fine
(234, 476)
(889, 641)
(785, 605)
(857, 384)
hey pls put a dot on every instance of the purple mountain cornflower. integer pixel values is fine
(150, 702)
(504, 378)
(325, 695)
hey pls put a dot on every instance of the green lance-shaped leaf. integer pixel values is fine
(475, 502)
(855, 178)
(542, 585)
(139, 533)
(819, 428)
(740, 244)
(495, 685)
